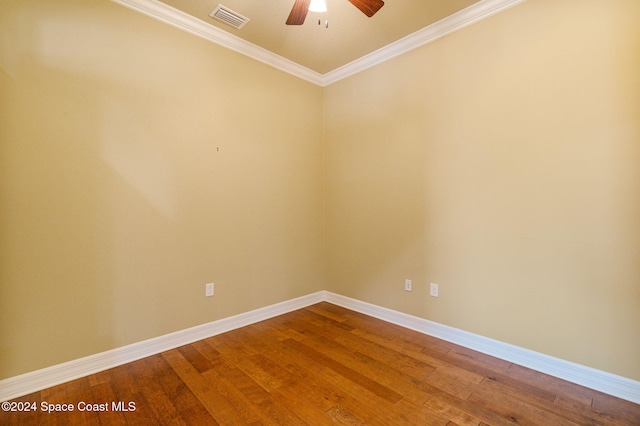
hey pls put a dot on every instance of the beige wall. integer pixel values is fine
(137, 163)
(503, 163)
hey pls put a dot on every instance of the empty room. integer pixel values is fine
(399, 212)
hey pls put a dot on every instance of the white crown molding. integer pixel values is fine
(602, 381)
(461, 19)
(176, 18)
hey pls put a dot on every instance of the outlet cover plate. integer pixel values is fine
(433, 290)
(208, 292)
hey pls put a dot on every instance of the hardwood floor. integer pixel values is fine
(323, 365)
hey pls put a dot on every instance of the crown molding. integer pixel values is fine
(461, 19)
(178, 19)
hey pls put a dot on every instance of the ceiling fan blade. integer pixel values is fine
(298, 12)
(368, 7)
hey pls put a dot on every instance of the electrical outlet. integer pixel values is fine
(407, 285)
(208, 290)
(433, 290)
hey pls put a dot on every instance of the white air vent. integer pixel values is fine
(228, 16)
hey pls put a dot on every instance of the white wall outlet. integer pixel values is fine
(208, 290)
(408, 285)
(433, 290)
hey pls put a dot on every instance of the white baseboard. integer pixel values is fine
(34, 381)
(602, 381)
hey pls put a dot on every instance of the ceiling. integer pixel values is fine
(351, 34)
(322, 55)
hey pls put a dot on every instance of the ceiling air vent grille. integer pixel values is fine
(228, 16)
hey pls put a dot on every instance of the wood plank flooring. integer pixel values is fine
(322, 365)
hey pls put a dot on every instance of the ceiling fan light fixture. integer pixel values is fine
(318, 6)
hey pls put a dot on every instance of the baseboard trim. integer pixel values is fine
(618, 386)
(34, 381)
(602, 381)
